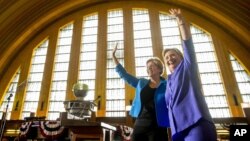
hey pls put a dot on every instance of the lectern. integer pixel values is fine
(83, 129)
(77, 118)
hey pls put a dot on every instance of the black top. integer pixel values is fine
(147, 116)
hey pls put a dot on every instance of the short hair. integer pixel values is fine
(172, 49)
(157, 61)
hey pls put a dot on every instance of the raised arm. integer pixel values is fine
(130, 79)
(183, 25)
(113, 55)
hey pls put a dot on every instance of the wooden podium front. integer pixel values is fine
(80, 129)
(95, 131)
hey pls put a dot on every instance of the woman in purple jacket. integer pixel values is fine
(189, 116)
(149, 106)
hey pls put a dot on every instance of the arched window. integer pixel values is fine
(10, 94)
(142, 40)
(87, 68)
(60, 72)
(115, 87)
(35, 79)
(242, 78)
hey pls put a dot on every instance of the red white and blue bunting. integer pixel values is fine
(25, 127)
(48, 129)
(51, 128)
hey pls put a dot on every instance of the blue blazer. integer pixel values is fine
(159, 97)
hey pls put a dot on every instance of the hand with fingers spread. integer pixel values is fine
(115, 49)
(175, 12)
(113, 54)
(183, 26)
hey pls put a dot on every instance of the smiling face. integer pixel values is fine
(153, 69)
(172, 59)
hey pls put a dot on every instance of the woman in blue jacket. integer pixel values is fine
(149, 106)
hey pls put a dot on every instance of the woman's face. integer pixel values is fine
(153, 69)
(172, 60)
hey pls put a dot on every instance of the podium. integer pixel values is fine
(81, 124)
(82, 129)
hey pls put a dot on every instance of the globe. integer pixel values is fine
(80, 90)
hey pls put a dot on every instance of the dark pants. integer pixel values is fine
(203, 130)
(142, 133)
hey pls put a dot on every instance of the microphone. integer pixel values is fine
(10, 96)
(98, 100)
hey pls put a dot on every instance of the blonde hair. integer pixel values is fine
(172, 49)
(157, 61)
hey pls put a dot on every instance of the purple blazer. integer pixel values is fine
(184, 97)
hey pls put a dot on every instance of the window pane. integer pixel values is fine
(115, 86)
(87, 69)
(142, 38)
(12, 89)
(60, 76)
(242, 78)
(35, 79)
(210, 74)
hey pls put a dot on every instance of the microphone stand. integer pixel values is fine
(4, 116)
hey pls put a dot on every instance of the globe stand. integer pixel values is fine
(78, 110)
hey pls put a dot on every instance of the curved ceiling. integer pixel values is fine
(20, 20)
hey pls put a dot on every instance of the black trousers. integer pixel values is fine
(144, 133)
